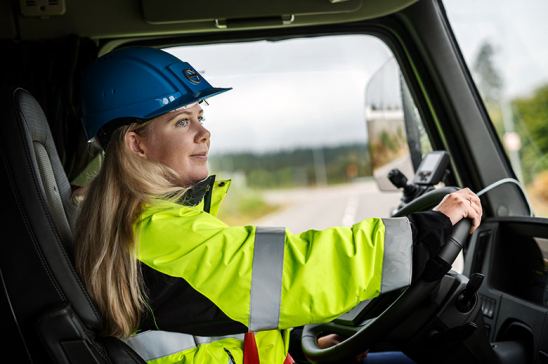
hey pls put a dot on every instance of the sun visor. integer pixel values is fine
(225, 13)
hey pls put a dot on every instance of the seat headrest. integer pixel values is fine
(42, 198)
(53, 179)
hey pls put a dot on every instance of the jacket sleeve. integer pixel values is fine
(430, 229)
(328, 272)
(269, 278)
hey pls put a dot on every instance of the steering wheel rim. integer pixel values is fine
(372, 330)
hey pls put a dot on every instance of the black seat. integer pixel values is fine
(50, 314)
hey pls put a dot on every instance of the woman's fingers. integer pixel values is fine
(328, 341)
(474, 209)
(358, 359)
(476, 205)
(462, 204)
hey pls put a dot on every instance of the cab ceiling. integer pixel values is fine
(112, 19)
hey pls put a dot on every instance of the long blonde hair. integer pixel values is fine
(105, 251)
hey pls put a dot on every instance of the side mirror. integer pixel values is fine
(391, 128)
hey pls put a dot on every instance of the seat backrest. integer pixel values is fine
(47, 299)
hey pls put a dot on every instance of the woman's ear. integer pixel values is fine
(135, 143)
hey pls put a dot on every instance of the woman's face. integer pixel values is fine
(178, 140)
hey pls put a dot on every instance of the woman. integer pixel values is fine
(177, 283)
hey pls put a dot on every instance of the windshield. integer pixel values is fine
(296, 133)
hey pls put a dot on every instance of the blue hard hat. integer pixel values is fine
(137, 84)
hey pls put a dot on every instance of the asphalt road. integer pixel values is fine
(323, 207)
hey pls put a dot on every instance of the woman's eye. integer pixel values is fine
(182, 123)
(201, 119)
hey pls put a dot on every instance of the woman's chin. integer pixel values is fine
(195, 179)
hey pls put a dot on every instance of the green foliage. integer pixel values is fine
(243, 205)
(388, 147)
(495, 113)
(296, 167)
(532, 112)
(387, 140)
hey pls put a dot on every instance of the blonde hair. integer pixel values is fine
(105, 251)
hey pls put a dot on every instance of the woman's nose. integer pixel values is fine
(202, 135)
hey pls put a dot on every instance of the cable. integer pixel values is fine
(503, 181)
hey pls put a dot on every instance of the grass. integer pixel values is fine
(242, 206)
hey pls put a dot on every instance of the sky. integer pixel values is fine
(299, 92)
(311, 91)
(517, 29)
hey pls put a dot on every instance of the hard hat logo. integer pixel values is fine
(192, 76)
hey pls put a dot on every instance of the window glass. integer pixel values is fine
(504, 45)
(294, 135)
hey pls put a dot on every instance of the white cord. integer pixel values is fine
(503, 181)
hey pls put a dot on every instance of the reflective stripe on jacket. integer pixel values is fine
(159, 347)
(270, 279)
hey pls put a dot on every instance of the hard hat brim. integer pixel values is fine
(104, 133)
(196, 97)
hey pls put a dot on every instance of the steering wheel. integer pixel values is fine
(361, 336)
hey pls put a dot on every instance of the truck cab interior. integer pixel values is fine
(493, 308)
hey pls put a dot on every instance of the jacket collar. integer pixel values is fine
(206, 194)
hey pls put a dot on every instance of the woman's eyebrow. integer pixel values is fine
(179, 112)
(188, 112)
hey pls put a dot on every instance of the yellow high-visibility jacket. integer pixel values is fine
(266, 278)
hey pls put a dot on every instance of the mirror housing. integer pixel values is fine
(388, 107)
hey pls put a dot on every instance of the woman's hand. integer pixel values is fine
(461, 204)
(330, 340)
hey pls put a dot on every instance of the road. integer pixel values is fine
(323, 207)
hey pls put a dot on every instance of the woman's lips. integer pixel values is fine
(200, 156)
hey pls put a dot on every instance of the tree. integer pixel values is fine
(490, 84)
(533, 115)
(488, 78)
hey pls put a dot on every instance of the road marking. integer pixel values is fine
(349, 215)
